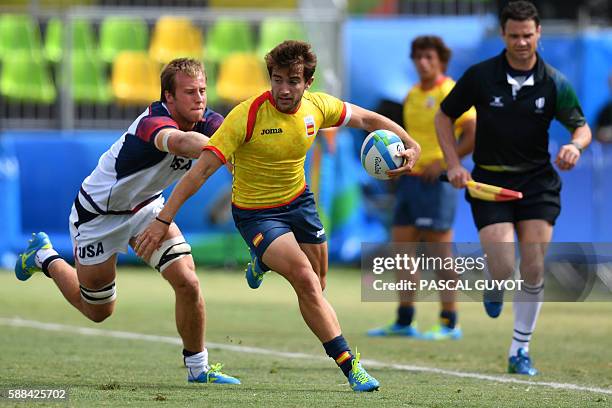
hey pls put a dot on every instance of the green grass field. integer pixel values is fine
(572, 345)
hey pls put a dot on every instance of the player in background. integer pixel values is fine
(425, 206)
(268, 137)
(516, 95)
(121, 197)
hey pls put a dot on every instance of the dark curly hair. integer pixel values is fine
(291, 53)
(432, 42)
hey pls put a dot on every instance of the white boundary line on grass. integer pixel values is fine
(86, 331)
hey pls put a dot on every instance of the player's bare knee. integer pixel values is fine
(188, 288)
(501, 271)
(100, 313)
(307, 283)
(533, 274)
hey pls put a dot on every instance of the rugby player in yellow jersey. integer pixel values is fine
(425, 206)
(267, 137)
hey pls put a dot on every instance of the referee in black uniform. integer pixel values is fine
(516, 95)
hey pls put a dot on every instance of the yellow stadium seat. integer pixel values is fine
(175, 37)
(241, 76)
(135, 78)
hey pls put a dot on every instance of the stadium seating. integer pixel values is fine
(18, 32)
(228, 36)
(122, 34)
(273, 31)
(175, 37)
(254, 4)
(25, 78)
(241, 76)
(53, 40)
(89, 82)
(83, 38)
(135, 78)
(211, 82)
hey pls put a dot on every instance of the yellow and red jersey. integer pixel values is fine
(420, 107)
(268, 147)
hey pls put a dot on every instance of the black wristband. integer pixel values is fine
(577, 146)
(163, 221)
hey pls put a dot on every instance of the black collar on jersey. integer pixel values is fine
(501, 71)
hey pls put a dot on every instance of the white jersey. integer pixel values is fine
(133, 172)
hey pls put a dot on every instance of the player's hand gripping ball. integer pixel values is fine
(379, 153)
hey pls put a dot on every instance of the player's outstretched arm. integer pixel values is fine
(186, 144)
(370, 121)
(190, 183)
(570, 153)
(458, 176)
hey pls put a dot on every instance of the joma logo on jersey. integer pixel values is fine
(91, 250)
(271, 131)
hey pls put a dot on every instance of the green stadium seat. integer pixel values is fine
(25, 78)
(18, 32)
(53, 40)
(89, 82)
(274, 31)
(318, 83)
(227, 36)
(211, 83)
(122, 34)
(83, 38)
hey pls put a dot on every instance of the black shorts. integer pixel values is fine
(541, 200)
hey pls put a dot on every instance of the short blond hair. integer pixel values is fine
(187, 66)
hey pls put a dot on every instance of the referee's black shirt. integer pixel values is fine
(512, 121)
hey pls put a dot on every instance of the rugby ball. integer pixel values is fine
(379, 153)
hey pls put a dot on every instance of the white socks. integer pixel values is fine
(527, 304)
(43, 254)
(197, 364)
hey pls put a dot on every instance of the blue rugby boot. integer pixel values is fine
(213, 376)
(441, 332)
(359, 379)
(521, 363)
(395, 329)
(493, 301)
(253, 273)
(26, 266)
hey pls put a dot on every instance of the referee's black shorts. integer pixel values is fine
(541, 200)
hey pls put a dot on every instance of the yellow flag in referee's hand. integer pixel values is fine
(488, 192)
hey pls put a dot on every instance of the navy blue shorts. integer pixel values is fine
(260, 227)
(424, 205)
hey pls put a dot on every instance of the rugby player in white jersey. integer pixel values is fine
(122, 196)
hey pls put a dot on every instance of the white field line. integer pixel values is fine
(85, 331)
